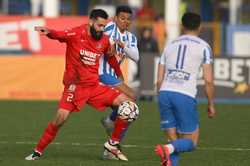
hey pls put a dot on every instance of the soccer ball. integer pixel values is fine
(128, 110)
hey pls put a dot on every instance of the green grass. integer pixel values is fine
(80, 142)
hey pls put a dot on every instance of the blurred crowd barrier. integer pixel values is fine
(40, 77)
(31, 77)
(231, 77)
(18, 36)
(32, 66)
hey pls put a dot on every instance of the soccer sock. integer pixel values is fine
(119, 127)
(174, 157)
(47, 137)
(113, 114)
(124, 132)
(183, 145)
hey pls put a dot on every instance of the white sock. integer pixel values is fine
(170, 148)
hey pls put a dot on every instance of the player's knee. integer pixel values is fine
(171, 134)
(128, 110)
(58, 123)
(61, 117)
(127, 91)
(119, 99)
(133, 96)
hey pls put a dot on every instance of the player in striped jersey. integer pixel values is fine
(177, 80)
(125, 44)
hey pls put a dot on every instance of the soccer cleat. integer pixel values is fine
(115, 150)
(34, 156)
(108, 126)
(163, 152)
(108, 155)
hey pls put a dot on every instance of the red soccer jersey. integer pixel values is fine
(82, 55)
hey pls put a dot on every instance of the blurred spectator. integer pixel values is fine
(82, 7)
(222, 11)
(159, 31)
(66, 7)
(123, 2)
(147, 43)
(36, 7)
(206, 8)
(19, 7)
(146, 12)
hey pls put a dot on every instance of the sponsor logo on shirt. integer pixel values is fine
(88, 57)
(177, 75)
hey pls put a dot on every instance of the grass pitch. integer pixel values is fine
(224, 140)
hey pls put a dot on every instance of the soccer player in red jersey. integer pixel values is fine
(85, 45)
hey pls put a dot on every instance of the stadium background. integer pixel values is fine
(31, 69)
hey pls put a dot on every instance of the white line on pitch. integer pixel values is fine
(126, 146)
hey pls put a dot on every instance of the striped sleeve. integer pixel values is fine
(207, 55)
(133, 42)
(109, 28)
(131, 49)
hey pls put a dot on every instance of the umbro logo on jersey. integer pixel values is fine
(99, 46)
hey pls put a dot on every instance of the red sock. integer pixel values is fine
(47, 137)
(120, 126)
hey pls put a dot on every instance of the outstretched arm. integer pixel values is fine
(54, 34)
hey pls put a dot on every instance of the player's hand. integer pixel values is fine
(119, 56)
(119, 43)
(42, 30)
(158, 86)
(111, 51)
(211, 111)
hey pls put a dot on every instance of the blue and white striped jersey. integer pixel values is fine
(130, 50)
(183, 58)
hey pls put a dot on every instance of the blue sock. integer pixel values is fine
(183, 145)
(113, 114)
(174, 157)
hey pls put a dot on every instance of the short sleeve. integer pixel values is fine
(207, 55)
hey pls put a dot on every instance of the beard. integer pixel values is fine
(96, 35)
